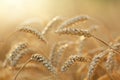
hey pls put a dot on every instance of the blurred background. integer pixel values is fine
(14, 12)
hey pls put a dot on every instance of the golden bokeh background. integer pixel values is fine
(14, 12)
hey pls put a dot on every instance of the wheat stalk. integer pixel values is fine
(53, 22)
(29, 29)
(85, 33)
(39, 58)
(95, 62)
(71, 60)
(11, 58)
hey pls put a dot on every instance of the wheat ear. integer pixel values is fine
(11, 58)
(95, 62)
(38, 58)
(21, 55)
(71, 60)
(29, 29)
(52, 23)
(111, 57)
(110, 61)
(74, 21)
(57, 51)
(74, 31)
(85, 33)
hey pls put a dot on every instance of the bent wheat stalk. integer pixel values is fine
(38, 58)
(85, 33)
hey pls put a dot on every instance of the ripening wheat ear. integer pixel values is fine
(74, 31)
(39, 58)
(57, 51)
(111, 58)
(74, 21)
(85, 33)
(29, 29)
(110, 61)
(95, 62)
(53, 22)
(11, 58)
(21, 55)
(71, 60)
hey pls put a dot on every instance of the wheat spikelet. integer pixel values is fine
(53, 22)
(14, 52)
(39, 58)
(29, 29)
(110, 61)
(74, 21)
(95, 62)
(71, 60)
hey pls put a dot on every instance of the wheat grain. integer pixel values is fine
(95, 62)
(29, 29)
(71, 60)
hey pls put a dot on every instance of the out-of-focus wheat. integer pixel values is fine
(13, 55)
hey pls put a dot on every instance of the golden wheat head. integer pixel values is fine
(29, 29)
(71, 60)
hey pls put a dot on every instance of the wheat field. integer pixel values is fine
(82, 43)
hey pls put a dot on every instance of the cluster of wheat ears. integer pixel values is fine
(66, 57)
